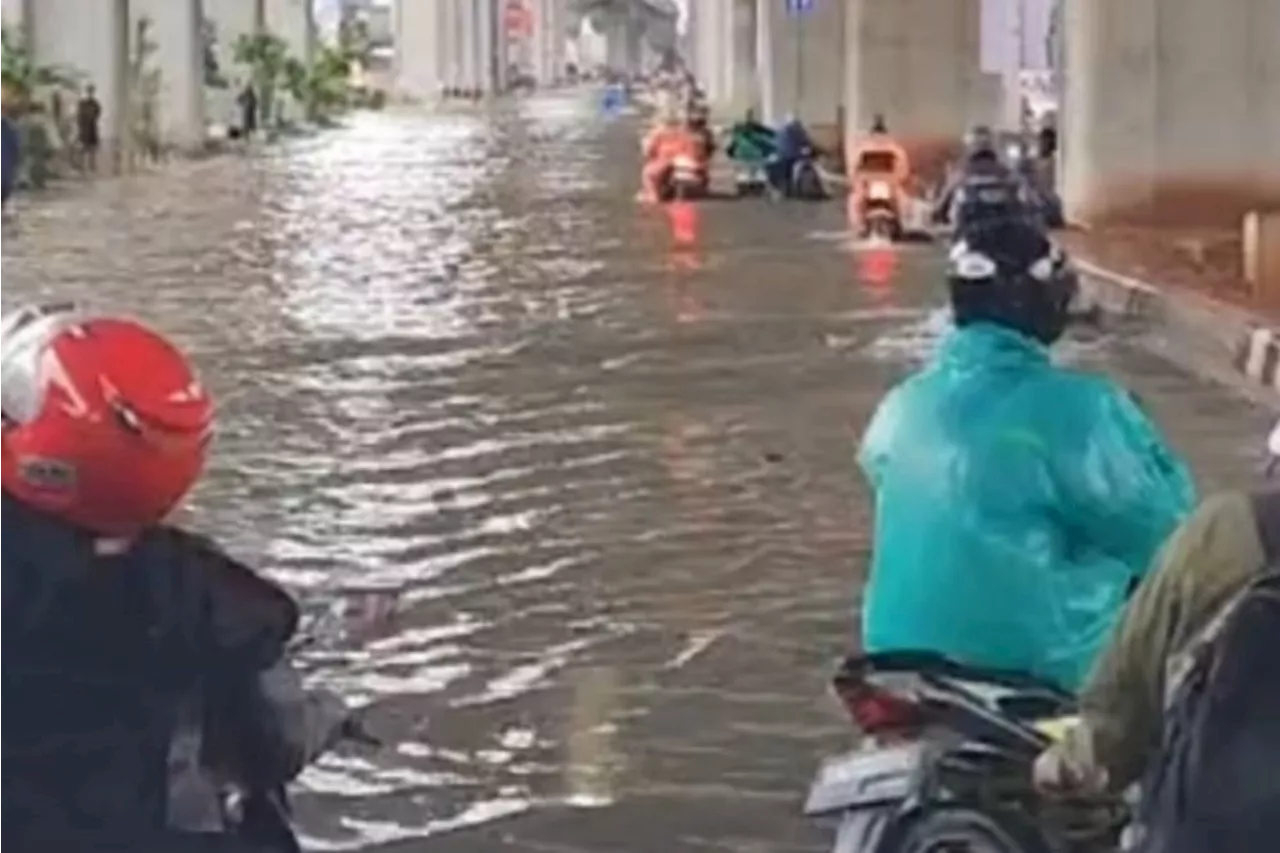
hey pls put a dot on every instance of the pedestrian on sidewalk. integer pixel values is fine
(248, 102)
(88, 135)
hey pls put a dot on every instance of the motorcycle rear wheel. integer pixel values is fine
(966, 831)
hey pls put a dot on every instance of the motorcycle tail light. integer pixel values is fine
(876, 711)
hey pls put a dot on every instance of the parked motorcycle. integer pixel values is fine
(944, 764)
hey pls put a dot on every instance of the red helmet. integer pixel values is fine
(105, 423)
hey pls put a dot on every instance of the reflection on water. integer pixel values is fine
(565, 484)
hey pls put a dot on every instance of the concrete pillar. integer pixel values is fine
(549, 40)
(451, 52)
(615, 44)
(487, 31)
(918, 64)
(295, 22)
(746, 90)
(420, 49)
(712, 26)
(633, 35)
(539, 38)
(557, 28)
(176, 29)
(1170, 112)
(469, 43)
(232, 19)
(800, 58)
(15, 15)
(92, 37)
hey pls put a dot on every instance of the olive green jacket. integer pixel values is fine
(1209, 559)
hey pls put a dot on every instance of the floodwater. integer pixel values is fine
(598, 457)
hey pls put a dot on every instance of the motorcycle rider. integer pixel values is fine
(1015, 500)
(670, 139)
(114, 621)
(1209, 560)
(984, 187)
(793, 146)
(879, 158)
(699, 125)
(750, 140)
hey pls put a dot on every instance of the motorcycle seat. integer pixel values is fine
(1019, 695)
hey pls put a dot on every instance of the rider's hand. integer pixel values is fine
(1058, 773)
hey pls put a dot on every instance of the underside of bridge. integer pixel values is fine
(472, 46)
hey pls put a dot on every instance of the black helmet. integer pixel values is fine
(980, 142)
(1009, 273)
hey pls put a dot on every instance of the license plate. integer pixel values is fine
(876, 775)
(871, 763)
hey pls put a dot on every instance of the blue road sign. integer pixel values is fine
(800, 7)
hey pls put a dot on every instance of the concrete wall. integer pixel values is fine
(801, 61)
(917, 63)
(1171, 110)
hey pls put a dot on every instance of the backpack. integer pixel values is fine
(1216, 786)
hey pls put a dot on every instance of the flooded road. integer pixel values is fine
(600, 457)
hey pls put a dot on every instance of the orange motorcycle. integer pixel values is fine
(879, 180)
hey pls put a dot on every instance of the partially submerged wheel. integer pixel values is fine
(964, 831)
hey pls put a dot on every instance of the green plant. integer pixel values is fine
(266, 55)
(26, 81)
(329, 89)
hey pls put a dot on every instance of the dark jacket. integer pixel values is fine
(985, 189)
(101, 656)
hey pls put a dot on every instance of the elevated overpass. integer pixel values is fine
(469, 45)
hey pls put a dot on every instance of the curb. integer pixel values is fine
(1218, 341)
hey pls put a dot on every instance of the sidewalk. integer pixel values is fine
(1186, 289)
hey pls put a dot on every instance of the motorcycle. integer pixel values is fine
(264, 817)
(750, 180)
(880, 216)
(944, 764)
(686, 179)
(806, 182)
